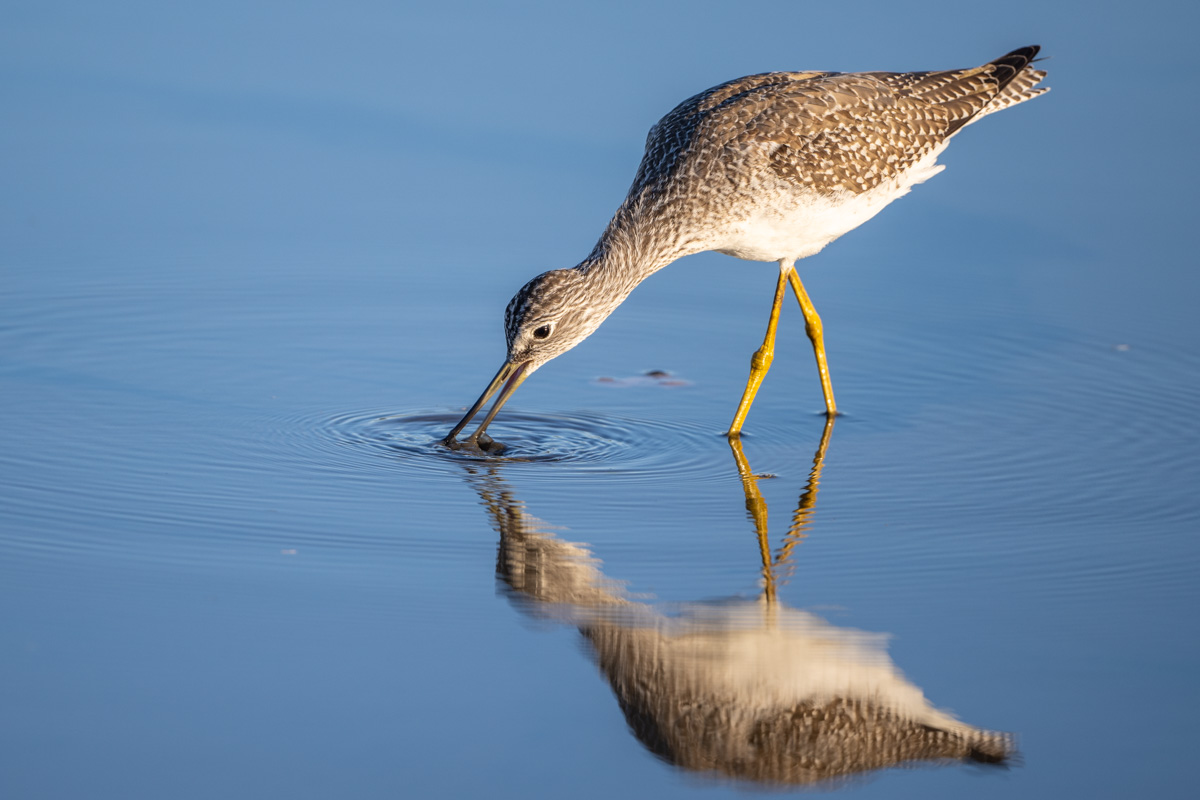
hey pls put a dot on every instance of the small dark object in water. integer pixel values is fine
(485, 445)
(657, 373)
(490, 446)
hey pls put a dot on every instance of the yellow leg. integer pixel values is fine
(812, 325)
(760, 362)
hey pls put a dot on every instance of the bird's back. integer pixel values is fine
(791, 160)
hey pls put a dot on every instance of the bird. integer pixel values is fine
(770, 167)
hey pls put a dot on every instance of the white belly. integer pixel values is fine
(780, 224)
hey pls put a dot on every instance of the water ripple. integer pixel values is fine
(575, 444)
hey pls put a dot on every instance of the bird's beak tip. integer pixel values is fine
(512, 373)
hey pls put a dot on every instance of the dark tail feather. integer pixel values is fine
(1011, 65)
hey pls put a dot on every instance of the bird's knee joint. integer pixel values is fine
(761, 359)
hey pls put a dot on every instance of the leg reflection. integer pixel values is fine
(756, 507)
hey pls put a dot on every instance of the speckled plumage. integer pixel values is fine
(769, 167)
(778, 146)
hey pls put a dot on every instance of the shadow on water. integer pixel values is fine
(742, 690)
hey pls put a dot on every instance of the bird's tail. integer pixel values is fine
(1018, 80)
(968, 94)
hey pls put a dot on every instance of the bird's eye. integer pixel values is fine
(542, 332)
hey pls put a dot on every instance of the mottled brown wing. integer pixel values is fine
(829, 131)
(961, 93)
(851, 132)
(689, 126)
(842, 132)
(825, 131)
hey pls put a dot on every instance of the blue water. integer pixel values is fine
(254, 261)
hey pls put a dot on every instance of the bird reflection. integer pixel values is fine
(749, 690)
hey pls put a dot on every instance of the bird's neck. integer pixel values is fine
(633, 247)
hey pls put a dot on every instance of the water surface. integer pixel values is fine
(239, 307)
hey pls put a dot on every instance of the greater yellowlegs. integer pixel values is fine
(769, 167)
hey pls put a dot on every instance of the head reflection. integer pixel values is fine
(749, 690)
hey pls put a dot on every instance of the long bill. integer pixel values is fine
(511, 375)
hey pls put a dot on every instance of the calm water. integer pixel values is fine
(246, 282)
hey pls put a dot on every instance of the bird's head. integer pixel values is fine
(547, 317)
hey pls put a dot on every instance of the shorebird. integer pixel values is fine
(769, 167)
